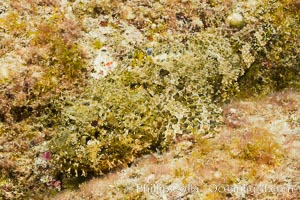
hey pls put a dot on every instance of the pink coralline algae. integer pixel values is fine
(56, 184)
(46, 155)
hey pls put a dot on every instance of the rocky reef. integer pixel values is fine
(88, 87)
